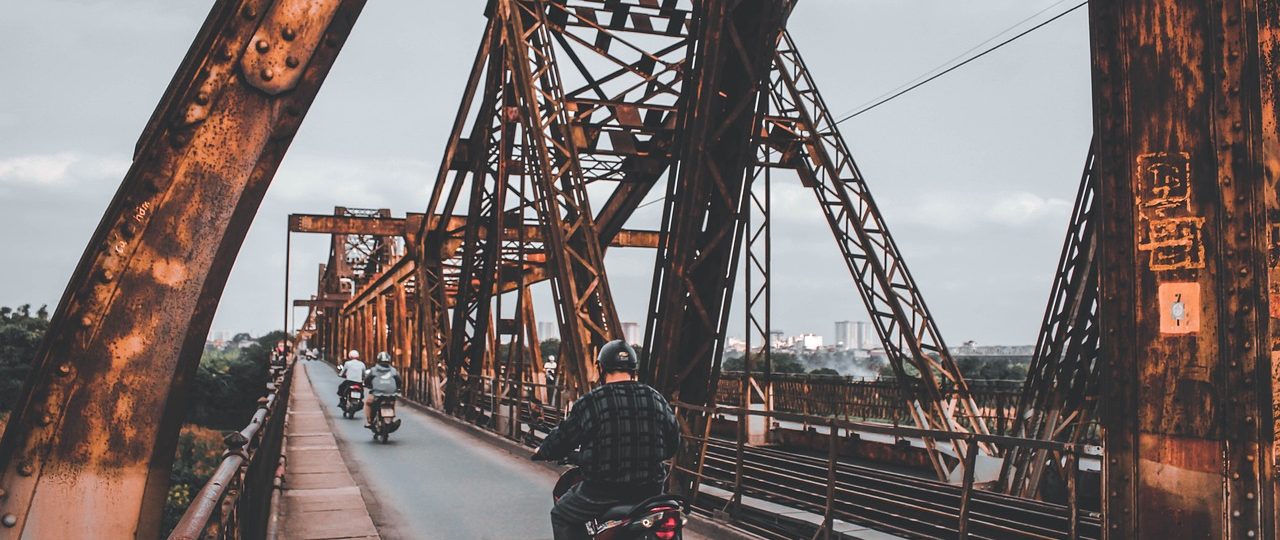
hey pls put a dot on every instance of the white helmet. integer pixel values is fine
(353, 355)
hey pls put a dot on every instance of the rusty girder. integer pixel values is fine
(799, 125)
(90, 444)
(1185, 96)
(1059, 398)
(696, 262)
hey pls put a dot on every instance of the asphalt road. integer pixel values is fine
(433, 480)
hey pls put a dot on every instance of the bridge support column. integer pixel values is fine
(1187, 161)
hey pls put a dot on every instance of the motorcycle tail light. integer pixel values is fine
(667, 527)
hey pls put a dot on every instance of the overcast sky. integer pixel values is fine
(975, 172)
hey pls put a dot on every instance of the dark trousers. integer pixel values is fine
(582, 503)
(343, 386)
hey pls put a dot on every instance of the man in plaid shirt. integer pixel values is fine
(625, 429)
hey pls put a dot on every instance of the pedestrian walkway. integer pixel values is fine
(320, 498)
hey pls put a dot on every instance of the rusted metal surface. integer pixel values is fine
(89, 446)
(697, 260)
(235, 503)
(346, 224)
(1184, 249)
(1060, 396)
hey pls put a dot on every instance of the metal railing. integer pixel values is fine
(876, 400)
(239, 499)
(887, 501)
(828, 487)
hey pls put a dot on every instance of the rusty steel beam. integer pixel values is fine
(697, 260)
(322, 303)
(1185, 115)
(340, 224)
(1059, 397)
(89, 446)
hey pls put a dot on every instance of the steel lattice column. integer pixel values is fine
(90, 443)
(1184, 174)
(697, 260)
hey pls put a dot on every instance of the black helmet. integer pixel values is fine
(384, 358)
(616, 355)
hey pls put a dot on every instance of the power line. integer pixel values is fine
(970, 59)
(994, 37)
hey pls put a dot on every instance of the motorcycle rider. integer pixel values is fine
(381, 380)
(626, 431)
(352, 371)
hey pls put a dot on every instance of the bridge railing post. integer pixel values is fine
(970, 459)
(742, 419)
(1073, 503)
(828, 514)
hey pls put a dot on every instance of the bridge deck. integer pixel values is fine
(320, 499)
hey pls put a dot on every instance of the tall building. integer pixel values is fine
(548, 330)
(631, 333)
(861, 337)
(844, 336)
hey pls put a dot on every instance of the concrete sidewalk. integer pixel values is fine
(320, 498)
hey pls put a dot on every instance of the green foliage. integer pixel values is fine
(549, 347)
(824, 371)
(783, 362)
(20, 336)
(198, 454)
(229, 382)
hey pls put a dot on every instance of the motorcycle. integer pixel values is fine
(384, 421)
(660, 517)
(352, 400)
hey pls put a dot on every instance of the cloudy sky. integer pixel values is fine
(975, 172)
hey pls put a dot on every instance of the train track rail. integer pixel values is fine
(891, 502)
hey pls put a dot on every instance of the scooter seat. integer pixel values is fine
(622, 511)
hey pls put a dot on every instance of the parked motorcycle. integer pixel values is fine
(657, 518)
(352, 400)
(384, 421)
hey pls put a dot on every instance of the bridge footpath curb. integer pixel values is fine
(319, 495)
(698, 525)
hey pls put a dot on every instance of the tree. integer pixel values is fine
(20, 336)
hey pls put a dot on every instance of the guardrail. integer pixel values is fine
(239, 499)
(826, 487)
(886, 501)
(878, 400)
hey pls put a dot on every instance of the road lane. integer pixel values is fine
(432, 480)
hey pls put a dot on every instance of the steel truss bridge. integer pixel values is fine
(1154, 357)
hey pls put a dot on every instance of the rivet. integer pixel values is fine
(1235, 476)
(107, 276)
(3, 493)
(1235, 513)
(202, 98)
(1249, 496)
(86, 321)
(287, 33)
(25, 468)
(64, 369)
(263, 46)
(46, 419)
(9, 520)
(1244, 271)
(268, 74)
(1251, 534)
(1237, 125)
(1248, 457)
(227, 53)
(248, 12)
(291, 62)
